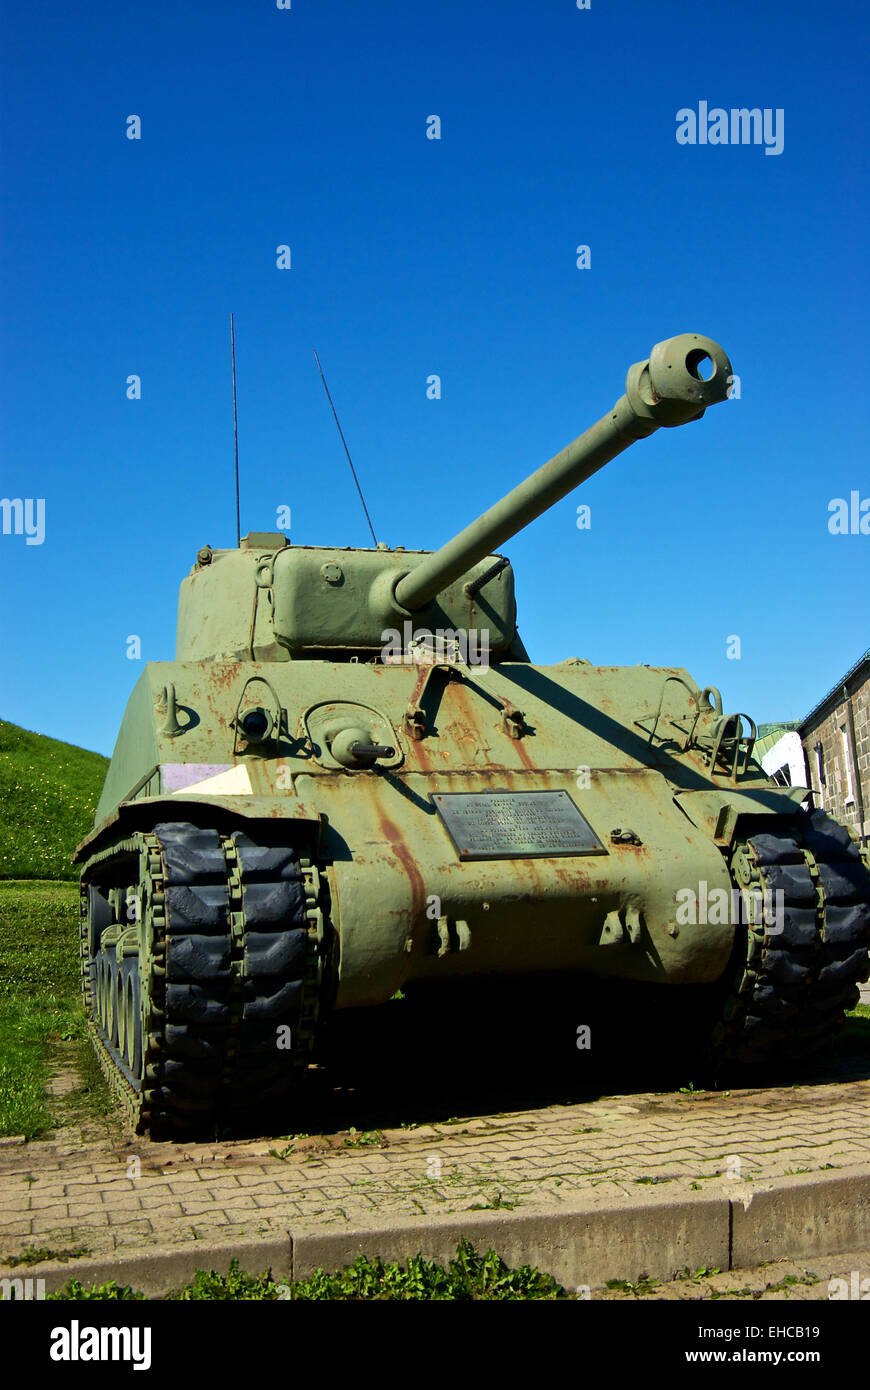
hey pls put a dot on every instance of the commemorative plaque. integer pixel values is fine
(515, 825)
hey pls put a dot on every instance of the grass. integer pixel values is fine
(854, 1038)
(468, 1277)
(48, 794)
(40, 1011)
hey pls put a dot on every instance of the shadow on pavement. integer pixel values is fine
(471, 1051)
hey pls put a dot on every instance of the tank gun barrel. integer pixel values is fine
(681, 377)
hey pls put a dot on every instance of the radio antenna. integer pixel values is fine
(346, 450)
(235, 432)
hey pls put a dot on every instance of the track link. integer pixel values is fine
(801, 973)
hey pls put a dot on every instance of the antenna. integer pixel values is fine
(235, 432)
(346, 450)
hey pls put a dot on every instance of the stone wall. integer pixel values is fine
(827, 733)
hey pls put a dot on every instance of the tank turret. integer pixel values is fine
(269, 601)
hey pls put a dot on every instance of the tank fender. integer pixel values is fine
(147, 811)
(717, 811)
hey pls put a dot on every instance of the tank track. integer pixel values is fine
(799, 976)
(216, 981)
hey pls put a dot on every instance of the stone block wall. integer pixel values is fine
(842, 782)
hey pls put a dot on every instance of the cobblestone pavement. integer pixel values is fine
(108, 1195)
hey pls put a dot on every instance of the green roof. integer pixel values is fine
(769, 734)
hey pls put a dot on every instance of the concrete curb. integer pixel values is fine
(586, 1244)
(808, 1215)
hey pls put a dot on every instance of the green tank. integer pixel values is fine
(353, 780)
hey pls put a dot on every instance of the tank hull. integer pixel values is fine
(398, 883)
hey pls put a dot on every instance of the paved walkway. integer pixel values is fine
(108, 1196)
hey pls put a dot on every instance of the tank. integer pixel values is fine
(354, 781)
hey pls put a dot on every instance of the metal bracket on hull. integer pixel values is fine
(622, 926)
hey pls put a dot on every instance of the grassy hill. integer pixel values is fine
(48, 794)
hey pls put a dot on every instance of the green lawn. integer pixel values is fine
(48, 794)
(39, 996)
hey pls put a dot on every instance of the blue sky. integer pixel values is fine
(411, 256)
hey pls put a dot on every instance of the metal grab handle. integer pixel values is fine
(277, 716)
(740, 740)
(692, 696)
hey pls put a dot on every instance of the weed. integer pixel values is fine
(76, 1292)
(355, 1139)
(35, 1255)
(496, 1203)
(789, 1281)
(641, 1286)
(468, 1276)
